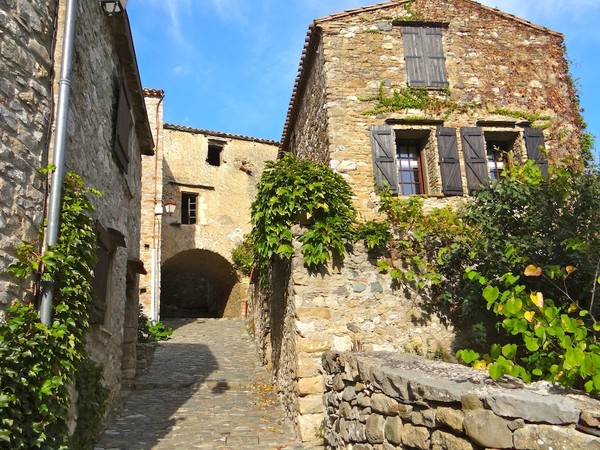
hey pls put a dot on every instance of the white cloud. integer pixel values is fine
(230, 10)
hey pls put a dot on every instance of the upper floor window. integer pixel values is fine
(214, 153)
(189, 208)
(424, 56)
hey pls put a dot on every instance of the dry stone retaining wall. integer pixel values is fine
(385, 401)
(349, 306)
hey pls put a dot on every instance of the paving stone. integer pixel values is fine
(205, 389)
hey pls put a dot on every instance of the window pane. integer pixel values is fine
(409, 167)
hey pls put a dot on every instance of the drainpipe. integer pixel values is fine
(62, 110)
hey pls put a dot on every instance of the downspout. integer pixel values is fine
(62, 110)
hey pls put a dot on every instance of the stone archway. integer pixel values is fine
(199, 283)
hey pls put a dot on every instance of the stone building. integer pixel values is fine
(210, 177)
(430, 97)
(107, 133)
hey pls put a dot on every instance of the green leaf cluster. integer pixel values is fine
(243, 255)
(152, 330)
(39, 361)
(420, 240)
(554, 342)
(301, 191)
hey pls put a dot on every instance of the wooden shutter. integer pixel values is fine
(383, 147)
(414, 56)
(424, 56)
(435, 63)
(534, 142)
(123, 126)
(449, 162)
(475, 156)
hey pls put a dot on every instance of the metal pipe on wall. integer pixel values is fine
(62, 111)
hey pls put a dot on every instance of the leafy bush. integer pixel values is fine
(243, 255)
(39, 361)
(554, 342)
(152, 330)
(291, 191)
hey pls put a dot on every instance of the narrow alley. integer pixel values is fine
(205, 389)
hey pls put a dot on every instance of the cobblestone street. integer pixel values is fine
(204, 389)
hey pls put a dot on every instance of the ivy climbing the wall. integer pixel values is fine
(293, 191)
(39, 362)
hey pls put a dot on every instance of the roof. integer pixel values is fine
(154, 93)
(185, 129)
(312, 37)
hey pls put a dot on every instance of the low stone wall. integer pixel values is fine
(386, 401)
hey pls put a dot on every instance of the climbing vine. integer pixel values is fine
(39, 362)
(301, 191)
(413, 98)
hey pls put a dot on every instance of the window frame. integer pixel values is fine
(189, 208)
(414, 150)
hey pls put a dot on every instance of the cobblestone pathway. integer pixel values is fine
(205, 389)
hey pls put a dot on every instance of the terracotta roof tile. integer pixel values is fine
(185, 129)
(157, 93)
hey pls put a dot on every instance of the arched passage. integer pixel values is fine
(198, 283)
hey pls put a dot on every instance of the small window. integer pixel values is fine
(189, 208)
(100, 283)
(496, 156)
(424, 56)
(410, 170)
(214, 154)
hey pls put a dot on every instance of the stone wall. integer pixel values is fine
(26, 30)
(103, 61)
(225, 190)
(493, 60)
(152, 198)
(384, 401)
(349, 306)
(310, 139)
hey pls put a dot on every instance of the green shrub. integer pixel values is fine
(292, 191)
(152, 330)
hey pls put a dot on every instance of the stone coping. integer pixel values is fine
(416, 380)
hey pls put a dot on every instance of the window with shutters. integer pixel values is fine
(189, 208)
(102, 272)
(123, 129)
(424, 56)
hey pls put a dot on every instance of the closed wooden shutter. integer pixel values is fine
(424, 56)
(435, 62)
(414, 56)
(449, 162)
(534, 142)
(123, 127)
(383, 147)
(473, 146)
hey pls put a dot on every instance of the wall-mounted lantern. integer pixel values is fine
(111, 7)
(170, 206)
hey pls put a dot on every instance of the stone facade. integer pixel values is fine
(105, 92)
(26, 44)
(212, 178)
(348, 306)
(382, 401)
(497, 66)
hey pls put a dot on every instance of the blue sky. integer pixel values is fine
(230, 65)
